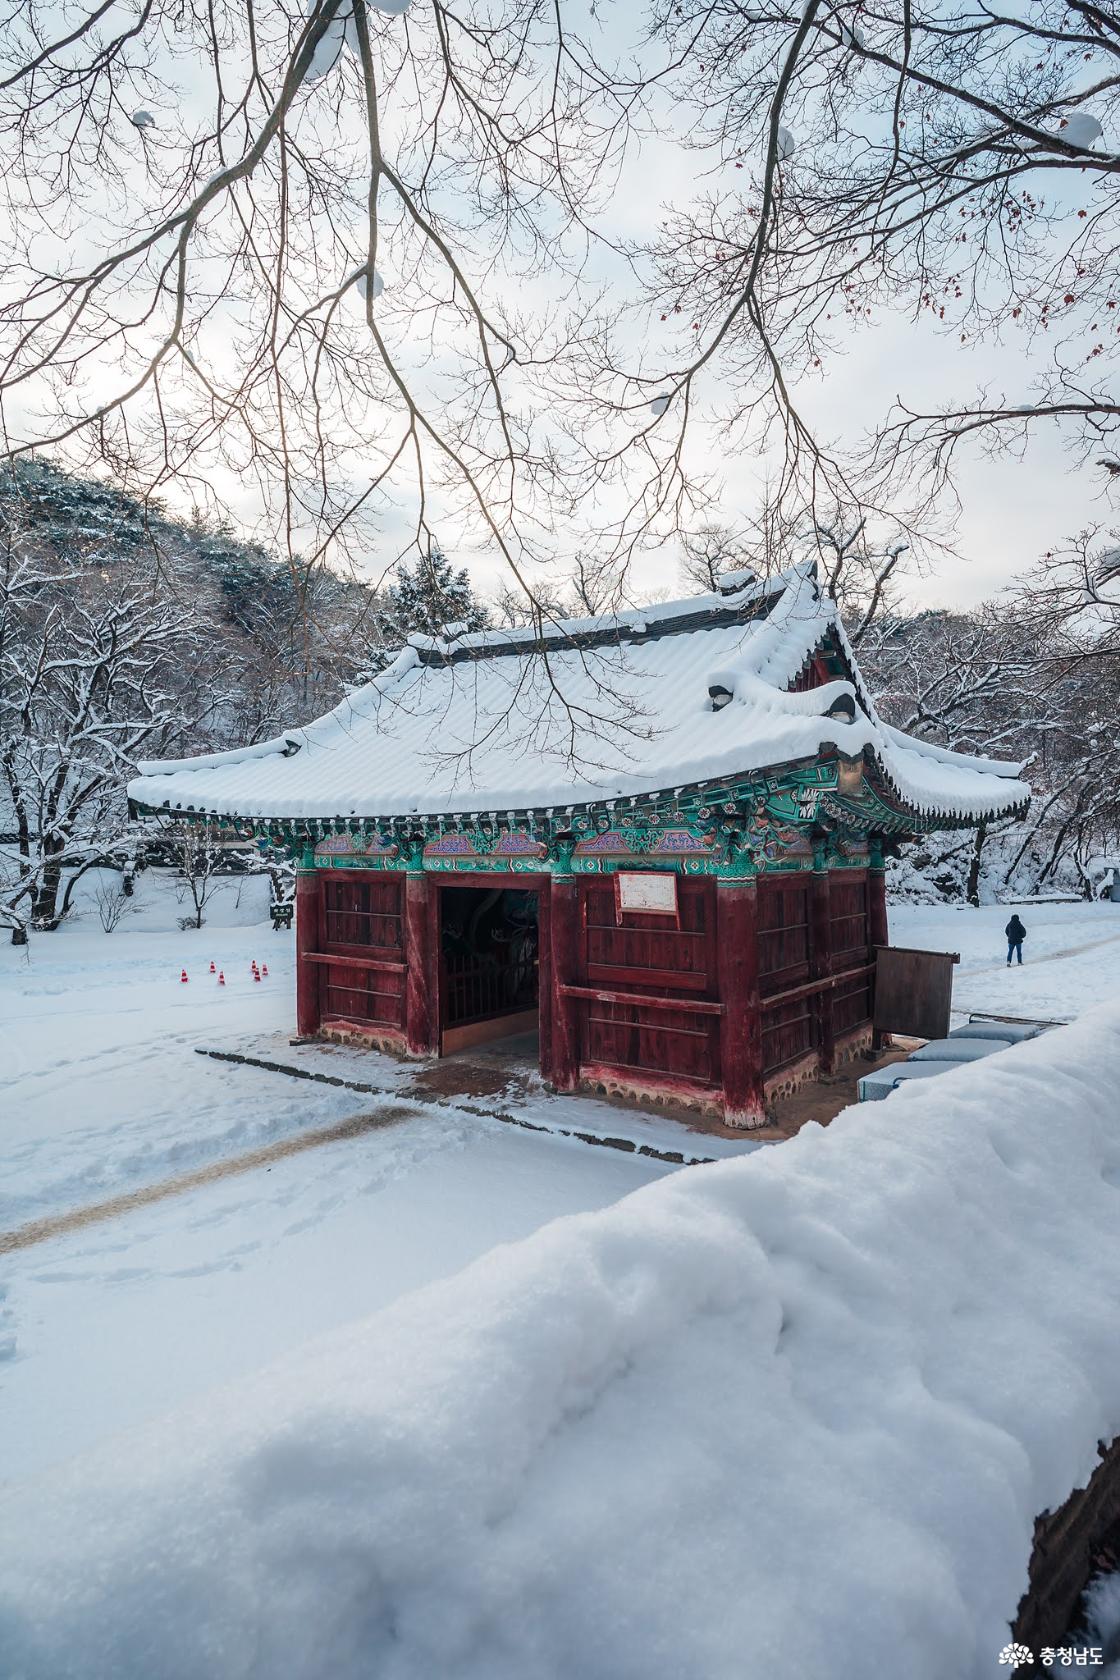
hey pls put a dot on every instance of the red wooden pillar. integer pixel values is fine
(740, 1026)
(421, 952)
(309, 940)
(820, 959)
(877, 931)
(544, 978)
(562, 1050)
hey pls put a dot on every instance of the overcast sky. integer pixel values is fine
(1011, 510)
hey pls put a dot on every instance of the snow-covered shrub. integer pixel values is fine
(112, 904)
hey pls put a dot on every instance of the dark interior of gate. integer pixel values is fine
(489, 964)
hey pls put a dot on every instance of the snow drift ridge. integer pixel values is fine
(789, 1415)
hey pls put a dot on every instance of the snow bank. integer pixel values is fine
(1102, 1622)
(791, 1415)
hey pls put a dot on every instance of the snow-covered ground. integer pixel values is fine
(98, 1034)
(119, 1321)
(122, 1321)
(791, 1415)
(1071, 955)
(106, 1327)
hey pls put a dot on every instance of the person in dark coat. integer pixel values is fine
(1016, 933)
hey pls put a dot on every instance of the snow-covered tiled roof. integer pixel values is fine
(593, 709)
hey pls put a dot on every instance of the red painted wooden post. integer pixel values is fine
(741, 1022)
(421, 950)
(564, 931)
(877, 905)
(544, 978)
(877, 931)
(309, 939)
(820, 958)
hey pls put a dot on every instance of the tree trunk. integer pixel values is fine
(973, 887)
(44, 911)
(68, 895)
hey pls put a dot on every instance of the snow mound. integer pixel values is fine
(362, 285)
(788, 1415)
(1082, 130)
(341, 32)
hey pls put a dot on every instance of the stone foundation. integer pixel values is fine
(849, 1048)
(852, 1046)
(364, 1038)
(790, 1079)
(604, 1082)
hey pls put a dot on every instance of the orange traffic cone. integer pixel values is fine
(182, 977)
(221, 979)
(256, 976)
(264, 969)
(213, 970)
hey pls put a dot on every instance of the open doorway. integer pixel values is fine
(489, 968)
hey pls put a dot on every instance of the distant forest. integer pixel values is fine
(128, 634)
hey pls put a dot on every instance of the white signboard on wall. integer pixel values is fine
(655, 894)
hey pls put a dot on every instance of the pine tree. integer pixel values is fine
(431, 598)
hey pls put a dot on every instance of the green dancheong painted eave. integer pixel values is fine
(827, 814)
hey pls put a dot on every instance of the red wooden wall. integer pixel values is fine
(784, 945)
(363, 980)
(851, 943)
(670, 965)
(810, 928)
(638, 995)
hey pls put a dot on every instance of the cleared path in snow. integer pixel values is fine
(1056, 956)
(39, 1230)
(1071, 957)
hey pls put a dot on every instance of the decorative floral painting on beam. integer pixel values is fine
(353, 845)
